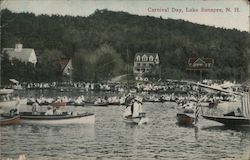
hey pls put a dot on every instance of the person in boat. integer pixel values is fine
(137, 107)
(49, 111)
(13, 112)
(34, 108)
(129, 100)
(57, 111)
(129, 109)
(99, 100)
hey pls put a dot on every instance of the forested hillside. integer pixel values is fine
(102, 44)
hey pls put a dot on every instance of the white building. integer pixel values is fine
(22, 54)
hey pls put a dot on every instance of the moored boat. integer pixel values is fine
(64, 118)
(9, 120)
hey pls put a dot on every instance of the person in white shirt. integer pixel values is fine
(137, 107)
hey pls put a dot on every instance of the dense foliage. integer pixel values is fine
(103, 43)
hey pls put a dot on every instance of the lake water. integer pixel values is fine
(111, 138)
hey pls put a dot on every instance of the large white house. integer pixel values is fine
(22, 54)
(144, 62)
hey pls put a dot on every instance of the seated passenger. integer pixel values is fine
(49, 111)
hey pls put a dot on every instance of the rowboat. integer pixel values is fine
(184, 119)
(64, 118)
(135, 120)
(9, 120)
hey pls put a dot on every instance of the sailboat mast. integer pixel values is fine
(127, 70)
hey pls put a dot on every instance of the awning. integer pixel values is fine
(14, 81)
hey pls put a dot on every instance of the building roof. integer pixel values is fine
(63, 62)
(206, 60)
(22, 55)
(147, 54)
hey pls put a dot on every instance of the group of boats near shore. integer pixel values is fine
(199, 101)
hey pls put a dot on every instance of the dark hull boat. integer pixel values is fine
(9, 120)
(229, 120)
(136, 120)
(184, 119)
(64, 118)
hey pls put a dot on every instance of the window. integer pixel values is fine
(144, 58)
(151, 58)
(138, 58)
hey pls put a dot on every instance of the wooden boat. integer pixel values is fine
(64, 118)
(9, 120)
(185, 119)
(142, 119)
(229, 120)
(136, 120)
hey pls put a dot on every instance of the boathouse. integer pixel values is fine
(199, 67)
(26, 55)
(200, 63)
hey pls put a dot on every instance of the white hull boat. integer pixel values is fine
(65, 118)
(8, 104)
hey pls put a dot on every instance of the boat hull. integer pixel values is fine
(184, 119)
(137, 120)
(229, 120)
(86, 118)
(10, 120)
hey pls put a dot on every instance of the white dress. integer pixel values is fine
(136, 109)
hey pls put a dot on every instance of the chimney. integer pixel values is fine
(18, 47)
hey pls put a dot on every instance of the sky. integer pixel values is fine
(219, 13)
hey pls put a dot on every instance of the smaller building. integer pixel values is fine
(145, 62)
(200, 63)
(26, 55)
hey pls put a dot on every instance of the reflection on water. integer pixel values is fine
(111, 138)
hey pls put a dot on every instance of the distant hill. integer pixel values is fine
(86, 39)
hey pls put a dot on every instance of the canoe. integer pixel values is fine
(184, 119)
(9, 120)
(64, 118)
